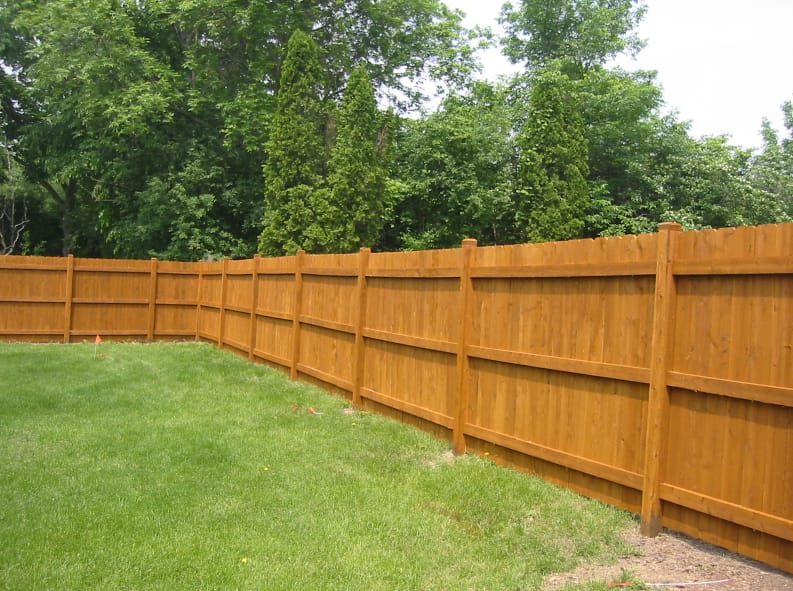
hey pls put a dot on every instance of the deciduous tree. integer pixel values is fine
(771, 170)
(581, 33)
(453, 171)
(124, 112)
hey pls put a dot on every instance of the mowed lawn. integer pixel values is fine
(178, 466)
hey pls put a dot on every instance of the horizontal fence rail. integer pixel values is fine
(652, 372)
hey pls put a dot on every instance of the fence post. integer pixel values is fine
(462, 385)
(67, 312)
(198, 302)
(360, 342)
(299, 260)
(223, 283)
(254, 302)
(152, 299)
(658, 404)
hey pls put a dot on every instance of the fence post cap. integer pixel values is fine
(670, 227)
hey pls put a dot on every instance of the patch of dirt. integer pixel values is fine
(674, 558)
(446, 457)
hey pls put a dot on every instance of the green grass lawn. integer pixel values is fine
(178, 466)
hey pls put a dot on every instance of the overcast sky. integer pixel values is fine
(723, 64)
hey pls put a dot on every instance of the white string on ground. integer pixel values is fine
(688, 584)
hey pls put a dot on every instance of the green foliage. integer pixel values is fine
(709, 188)
(106, 105)
(357, 170)
(142, 128)
(183, 215)
(551, 187)
(296, 196)
(703, 183)
(771, 171)
(582, 33)
(83, 85)
(453, 169)
(628, 140)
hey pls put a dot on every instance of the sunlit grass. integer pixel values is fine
(177, 466)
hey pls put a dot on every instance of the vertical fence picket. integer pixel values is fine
(658, 406)
(462, 387)
(298, 305)
(360, 341)
(67, 311)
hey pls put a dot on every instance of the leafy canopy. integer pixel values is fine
(584, 33)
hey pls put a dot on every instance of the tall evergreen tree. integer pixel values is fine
(295, 191)
(551, 189)
(357, 173)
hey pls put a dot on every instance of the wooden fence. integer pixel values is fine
(652, 372)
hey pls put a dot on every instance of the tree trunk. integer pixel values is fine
(66, 200)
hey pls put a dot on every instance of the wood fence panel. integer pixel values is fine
(110, 280)
(331, 299)
(32, 278)
(275, 311)
(276, 294)
(421, 308)
(118, 321)
(557, 400)
(34, 322)
(237, 304)
(327, 355)
(33, 295)
(431, 375)
(411, 328)
(274, 341)
(236, 330)
(328, 315)
(211, 284)
(546, 356)
(240, 276)
(208, 323)
(110, 298)
(730, 457)
(176, 300)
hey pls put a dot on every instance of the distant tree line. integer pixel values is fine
(192, 129)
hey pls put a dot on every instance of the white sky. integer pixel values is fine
(723, 64)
